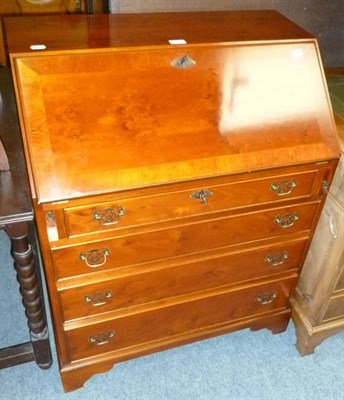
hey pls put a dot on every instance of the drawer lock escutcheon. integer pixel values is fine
(286, 220)
(183, 62)
(98, 298)
(101, 338)
(276, 259)
(201, 195)
(95, 258)
(109, 216)
(266, 298)
(284, 187)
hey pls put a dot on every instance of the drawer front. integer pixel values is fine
(185, 239)
(178, 279)
(135, 211)
(178, 319)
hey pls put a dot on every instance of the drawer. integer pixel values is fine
(175, 279)
(174, 320)
(206, 197)
(178, 241)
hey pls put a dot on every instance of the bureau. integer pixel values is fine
(178, 165)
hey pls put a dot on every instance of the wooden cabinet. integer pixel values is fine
(24, 7)
(318, 301)
(178, 165)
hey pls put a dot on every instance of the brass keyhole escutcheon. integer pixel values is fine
(201, 195)
(183, 62)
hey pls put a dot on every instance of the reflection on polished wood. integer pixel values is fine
(228, 113)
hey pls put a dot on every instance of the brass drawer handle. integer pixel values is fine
(98, 298)
(95, 258)
(109, 216)
(275, 259)
(284, 187)
(101, 338)
(183, 62)
(286, 220)
(201, 195)
(266, 298)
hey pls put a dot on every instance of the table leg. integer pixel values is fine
(27, 273)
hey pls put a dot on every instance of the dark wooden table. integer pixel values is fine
(17, 220)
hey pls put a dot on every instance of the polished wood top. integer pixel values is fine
(61, 32)
(103, 120)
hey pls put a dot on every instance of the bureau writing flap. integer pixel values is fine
(100, 121)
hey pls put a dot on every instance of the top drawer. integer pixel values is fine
(155, 205)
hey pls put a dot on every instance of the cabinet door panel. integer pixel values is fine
(337, 187)
(322, 266)
(335, 308)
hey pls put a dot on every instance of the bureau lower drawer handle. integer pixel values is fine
(109, 216)
(95, 258)
(266, 298)
(284, 187)
(98, 298)
(101, 338)
(286, 220)
(201, 195)
(275, 259)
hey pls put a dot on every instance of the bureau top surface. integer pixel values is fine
(99, 120)
(61, 32)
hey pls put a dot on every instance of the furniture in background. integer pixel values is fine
(4, 166)
(17, 220)
(179, 166)
(318, 301)
(25, 7)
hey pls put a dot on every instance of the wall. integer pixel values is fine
(322, 18)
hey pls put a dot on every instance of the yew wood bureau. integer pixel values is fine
(179, 164)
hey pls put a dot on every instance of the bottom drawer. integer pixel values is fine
(170, 321)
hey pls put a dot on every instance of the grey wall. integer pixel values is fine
(323, 18)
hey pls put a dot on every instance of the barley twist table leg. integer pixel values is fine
(24, 263)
